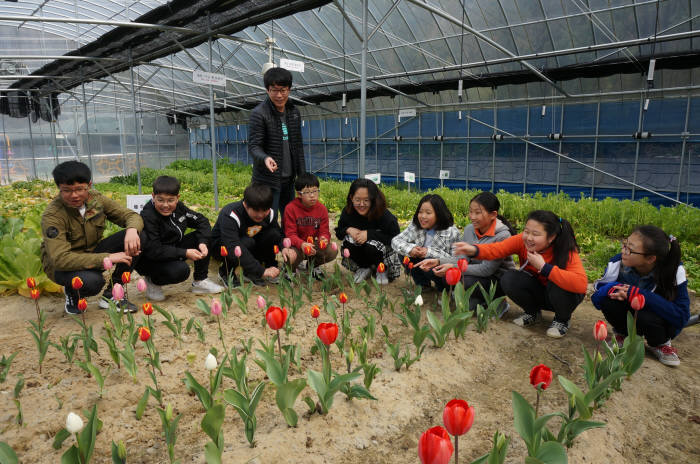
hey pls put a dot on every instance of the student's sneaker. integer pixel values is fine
(71, 304)
(224, 282)
(667, 354)
(318, 274)
(257, 281)
(502, 309)
(361, 274)
(206, 286)
(558, 329)
(123, 305)
(153, 292)
(302, 265)
(382, 278)
(526, 319)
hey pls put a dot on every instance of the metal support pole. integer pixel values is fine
(683, 144)
(527, 145)
(595, 148)
(561, 130)
(640, 125)
(212, 129)
(137, 135)
(53, 132)
(87, 130)
(363, 92)
(31, 143)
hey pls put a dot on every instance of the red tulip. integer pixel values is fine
(406, 260)
(410, 266)
(126, 277)
(315, 311)
(76, 283)
(323, 244)
(343, 298)
(458, 417)
(307, 249)
(463, 264)
(144, 334)
(31, 283)
(147, 308)
(453, 275)
(223, 252)
(327, 332)
(435, 447)
(309, 239)
(541, 376)
(276, 317)
(276, 249)
(381, 268)
(82, 304)
(600, 331)
(637, 302)
(34, 293)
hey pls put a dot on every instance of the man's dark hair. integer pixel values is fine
(167, 185)
(258, 196)
(72, 172)
(305, 180)
(277, 76)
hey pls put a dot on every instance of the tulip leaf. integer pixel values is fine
(201, 392)
(602, 387)
(71, 456)
(60, 437)
(213, 420)
(541, 421)
(524, 419)
(551, 452)
(273, 368)
(86, 438)
(7, 454)
(317, 383)
(115, 455)
(212, 454)
(286, 396)
(141, 406)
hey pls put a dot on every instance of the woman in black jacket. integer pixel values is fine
(366, 228)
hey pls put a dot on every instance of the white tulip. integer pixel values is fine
(74, 423)
(210, 363)
(419, 301)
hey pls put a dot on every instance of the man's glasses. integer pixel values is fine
(361, 202)
(310, 193)
(626, 249)
(282, 91)
(78, 190)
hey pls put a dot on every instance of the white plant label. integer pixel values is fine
(292, 65)
(409, 176)
(376, 177)
(137, 202)
(203, 77)
(444, 174)
(407, 113)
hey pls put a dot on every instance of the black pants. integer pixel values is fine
(261, 246)
(652, 327)
(528, 293)
(477, 297)
(280, 199)
(364, 255)
(425, 278)
(92, 278)
(174, 271)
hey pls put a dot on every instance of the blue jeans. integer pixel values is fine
(281, 196)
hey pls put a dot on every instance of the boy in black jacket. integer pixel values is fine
(249, 224)
(163, 262)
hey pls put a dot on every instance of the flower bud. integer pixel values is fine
(315, 311)
(334, 246)
(74, 423)
(147, 308)
(31, 283)
(76, 283)
(191, 357)
(126, 277)
(34, 293)
(262, 304)
(275, 249)
(210, 363)
(169, 412)
(121, 449)
(107, 264)
(82, 304)
(215, 307)
(223, 251)
(346, 253)
(419, 301)
(237, 251)
(117, 292)
(144, 334)
(351, 355)
(287, 242)
(141, 285)
(309, 239)
(323, 244)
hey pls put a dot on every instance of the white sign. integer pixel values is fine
(292, 65)
(409, 176)
(137, 202)
(376, 178)
(407, 113)
(203, 77)
(444, 174)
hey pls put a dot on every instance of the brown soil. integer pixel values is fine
(654, 419)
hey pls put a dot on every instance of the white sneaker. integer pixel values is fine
(206, 286)
(666, 354)
(361, 274)
(382, 279)
(153, 292)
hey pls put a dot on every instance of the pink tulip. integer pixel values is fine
(334, 246)
(346, 253)
(107, 264)
(237, 251)
(261, 302)
(287, 242)
(117, 292)
(141, 285)
(215, 307)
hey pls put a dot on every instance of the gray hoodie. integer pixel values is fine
(482, 268)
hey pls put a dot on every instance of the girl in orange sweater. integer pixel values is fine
(550, 275)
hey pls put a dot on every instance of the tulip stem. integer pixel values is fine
(456, 449)
(221, 334)
(537, 404)
(595, 360)
(279, 344)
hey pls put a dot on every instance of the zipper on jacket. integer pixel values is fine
(176, 227)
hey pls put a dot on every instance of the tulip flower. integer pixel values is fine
(287, 242)
(323, 244)
(540, 378)
(117, 292)
(76, 283)
(237, 251)
(107, 264)
(216, 307)
(346, 253)
(34, 293)
(276, 317)
(458, 418)
(334, 246)
(462, 264)
(637, 302)
(223, 251)
(381, 268)
(435, 447)
(315, 311)
(144, 333)
(147, 308)
(343, 298)
(327, 332)
(310, 239)
(210, 362)
(82, 304)
(261, 302)
(406, 260)
(74, 423)
(276, 249)
(307, 249)
(31, 283)
(141, 285)
(452, 276)
(418, 301)
(600, 331)
(126, 277)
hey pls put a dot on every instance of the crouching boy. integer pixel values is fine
(165, 220)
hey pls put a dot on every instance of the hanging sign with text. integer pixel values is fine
(203, 77)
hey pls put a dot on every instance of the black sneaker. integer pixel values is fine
(124, 305)
(526, 319)
(319, 274)
(558, 329)
(71, 304)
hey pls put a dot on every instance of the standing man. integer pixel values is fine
(275, 141)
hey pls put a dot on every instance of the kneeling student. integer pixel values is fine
(249, 224)
(165, 220)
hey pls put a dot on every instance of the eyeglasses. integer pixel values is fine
(626, 249)
(78, 190)
(282, 91)
(310, 193)
(362, 202)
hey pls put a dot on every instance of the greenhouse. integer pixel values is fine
(573, 126)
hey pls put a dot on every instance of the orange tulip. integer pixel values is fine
(82, 304)
(223, 252)
(126, 277)
(144, 334)
(276, 249)
(31, 283)
(323, 244)
(309, 239)
(315, 311)
(76, 283)
(343, 298)
(147, 308)
(381, 268)
(34, 293)
(406, 260)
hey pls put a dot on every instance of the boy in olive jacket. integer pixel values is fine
(72, 227)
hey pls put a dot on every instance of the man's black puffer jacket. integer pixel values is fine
(164, 233)
(265, 139)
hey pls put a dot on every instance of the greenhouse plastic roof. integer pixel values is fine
(419, 46)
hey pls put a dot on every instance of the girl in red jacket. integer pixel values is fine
(550, 276)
